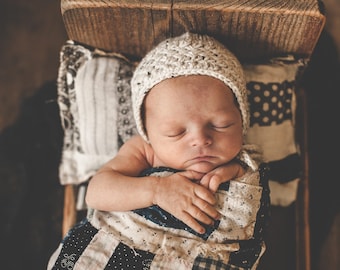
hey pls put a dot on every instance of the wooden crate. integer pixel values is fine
(252, 29)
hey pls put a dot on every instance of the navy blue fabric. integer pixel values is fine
(278, 97)
(286, 169)
(127, 258)
(74, 245)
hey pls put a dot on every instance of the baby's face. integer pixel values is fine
(193, 123)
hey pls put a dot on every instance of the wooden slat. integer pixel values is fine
(303, 252)
(252, 29)
(69, 211)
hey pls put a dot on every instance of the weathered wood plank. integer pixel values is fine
(251, 28)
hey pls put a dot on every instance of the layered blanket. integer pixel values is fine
(151, 238)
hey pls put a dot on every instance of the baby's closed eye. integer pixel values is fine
(174, 133)
(221, 125)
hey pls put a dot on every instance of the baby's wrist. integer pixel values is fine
(155, 189)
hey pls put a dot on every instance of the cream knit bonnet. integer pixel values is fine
(188, 54)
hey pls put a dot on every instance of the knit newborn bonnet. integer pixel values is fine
(188, 54)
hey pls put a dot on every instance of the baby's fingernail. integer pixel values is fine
(201, 231)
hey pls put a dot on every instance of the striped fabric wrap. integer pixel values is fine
(151, 238)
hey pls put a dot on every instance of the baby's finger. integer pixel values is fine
(192, 223)
(205, 180)
(214, 183)
(204, 194)
(205, 212)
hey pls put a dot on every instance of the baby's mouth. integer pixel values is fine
(203, 158)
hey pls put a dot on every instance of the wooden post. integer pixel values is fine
(69, 212)
(303, 259)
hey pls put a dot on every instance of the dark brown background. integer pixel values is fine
(31, 35)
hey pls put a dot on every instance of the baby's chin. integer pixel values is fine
(202, 167)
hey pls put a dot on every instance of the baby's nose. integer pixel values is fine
(201, 137)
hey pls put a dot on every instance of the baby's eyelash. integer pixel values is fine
(175, 134)
(222, 126)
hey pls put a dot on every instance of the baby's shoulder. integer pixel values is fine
(137, 146)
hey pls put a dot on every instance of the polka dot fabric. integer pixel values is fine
(271, 103)
(74, 244)
(127, 258)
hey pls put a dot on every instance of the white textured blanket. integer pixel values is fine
(151, 238)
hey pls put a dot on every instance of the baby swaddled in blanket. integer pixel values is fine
(186, 193)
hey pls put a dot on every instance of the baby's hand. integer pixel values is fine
(221, 174)
(186, 200)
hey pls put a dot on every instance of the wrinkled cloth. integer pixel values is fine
(151, 238)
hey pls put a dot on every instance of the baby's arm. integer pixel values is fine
(221, 174)
(117, 187)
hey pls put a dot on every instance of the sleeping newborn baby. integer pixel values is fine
(185, 193)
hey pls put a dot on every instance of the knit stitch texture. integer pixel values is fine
(188, 54)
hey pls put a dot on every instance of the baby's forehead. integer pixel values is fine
(188, 89)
